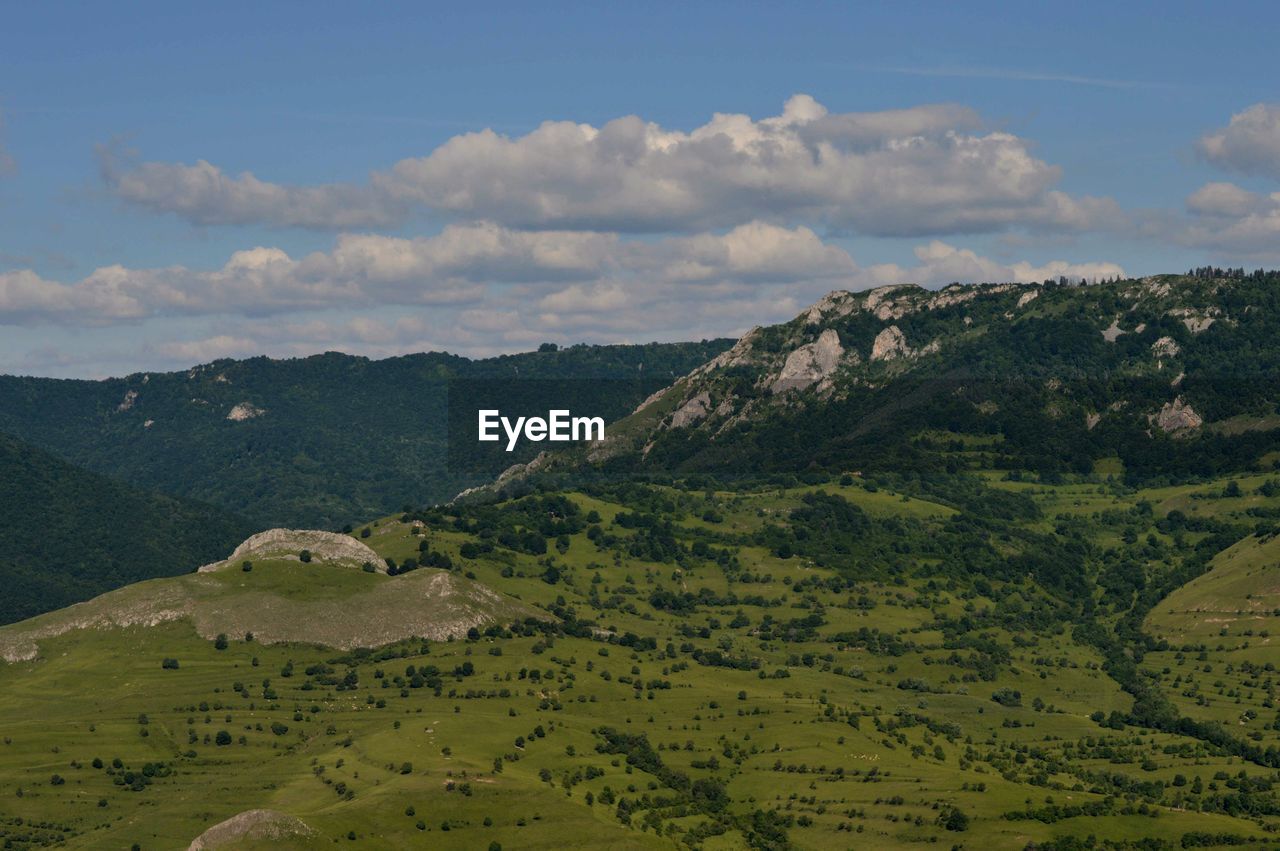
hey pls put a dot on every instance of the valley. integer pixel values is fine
(679, 682)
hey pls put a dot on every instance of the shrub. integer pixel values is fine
(1007, 697)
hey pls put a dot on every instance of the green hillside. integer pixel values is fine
(317, 441)
(1164, 380)
(69, 534)
(837, 664)
(1239, 594)
(990, 567)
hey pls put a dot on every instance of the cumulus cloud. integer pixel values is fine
(727, 305)
(456, 266)
(489, 288)
(1232, 220)
(940, 263)
(1249, 144)
(926, 170)
(204, 194)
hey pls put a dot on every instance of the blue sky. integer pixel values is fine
(929, 143)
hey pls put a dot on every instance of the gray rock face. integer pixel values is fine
(1165, 347)
(268, 825)
(1177, 416)
(691, 411)
(889, 344)
(833, 304)
(809, 363)
(244, 411)
(325, 548)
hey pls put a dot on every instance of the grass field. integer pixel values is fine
(869, 727)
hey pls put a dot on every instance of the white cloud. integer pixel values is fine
(1249, 144)
(457, 266)
(203, 194)
(941, 263)
(208, 349)
(1231, 220)
(1223, 199)
(481, 290)
(922, 171)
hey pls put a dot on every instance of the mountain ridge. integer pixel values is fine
(1124, 361)
(317, 441)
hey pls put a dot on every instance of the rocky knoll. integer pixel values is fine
(324, 547)
(323, 604)
(250, 825)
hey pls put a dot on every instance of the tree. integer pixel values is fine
(169, 664)
(220, 643)
(305, 556)
(955, 820)
(247, 566)
(1007, 697)
(222, 739)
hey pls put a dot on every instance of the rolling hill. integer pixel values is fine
(987, 567)
(825, 665)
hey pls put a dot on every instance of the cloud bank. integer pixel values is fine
(554, 273)
(923, 171)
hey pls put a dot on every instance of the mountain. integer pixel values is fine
(985, 567)
(1161, 379)
(70, 534)
(317, 441)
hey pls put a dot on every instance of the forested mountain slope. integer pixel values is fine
(1165, 379)
(317, 441)
(69, 534)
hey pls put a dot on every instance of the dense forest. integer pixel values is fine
(69, 534)
(323, 440)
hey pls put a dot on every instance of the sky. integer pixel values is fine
(186, 182)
